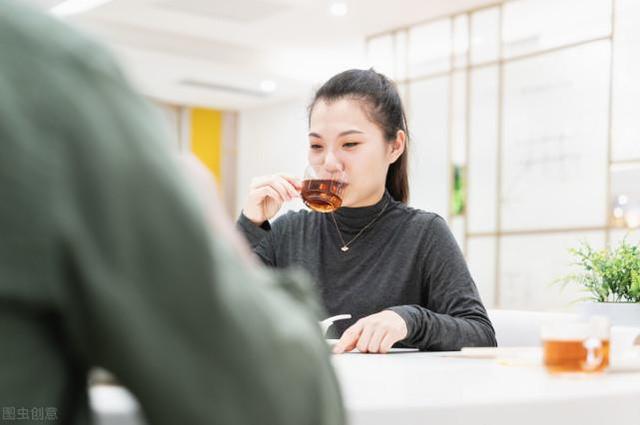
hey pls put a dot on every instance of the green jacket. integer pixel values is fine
(105, 260)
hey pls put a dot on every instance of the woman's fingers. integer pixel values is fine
(288, 186)
(267, 194)
(365, 337)
(281, 186)
(376, 339)
(373, 334)
(262, 180)
(387, 342)
(270, 192)
(295, 181)
(349, 339)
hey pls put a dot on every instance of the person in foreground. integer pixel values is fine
(107, 259)
(397, 270)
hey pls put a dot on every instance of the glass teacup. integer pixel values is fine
(576, 346)
(322, 189)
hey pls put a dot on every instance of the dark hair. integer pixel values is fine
(383, 106)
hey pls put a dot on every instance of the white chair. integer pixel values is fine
(519, 328)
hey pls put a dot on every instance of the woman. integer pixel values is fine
(397, 270)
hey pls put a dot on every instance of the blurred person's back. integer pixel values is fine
(105, 260)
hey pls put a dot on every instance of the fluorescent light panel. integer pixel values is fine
(73, 7)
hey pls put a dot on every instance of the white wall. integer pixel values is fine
(271, 140)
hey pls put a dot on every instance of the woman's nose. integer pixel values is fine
(332, 163)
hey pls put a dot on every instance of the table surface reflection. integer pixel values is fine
(410, 387)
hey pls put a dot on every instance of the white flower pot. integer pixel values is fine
(620, 314)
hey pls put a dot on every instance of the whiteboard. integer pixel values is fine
(429, 157)
(483, 144)
(400, 61)
(529, 266)
(460, 40)
(534, 25)
(481, 259)
(555, 133)
(429, 48)
(380, 54)
(626, 84)
(459, 118)
(632, 236)
(485, 35)
(456, 225)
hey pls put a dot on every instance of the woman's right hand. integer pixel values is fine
(267, 194)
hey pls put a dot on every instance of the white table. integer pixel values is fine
(407, 387)
(429, 388)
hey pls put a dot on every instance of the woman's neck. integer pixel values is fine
(370, 200)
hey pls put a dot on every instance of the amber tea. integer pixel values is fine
(572, 356)
(576, 346)
(323, 195)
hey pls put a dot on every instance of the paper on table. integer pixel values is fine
(491, 353)
(512, 356)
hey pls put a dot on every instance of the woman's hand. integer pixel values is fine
(373, 334)
(267, 194)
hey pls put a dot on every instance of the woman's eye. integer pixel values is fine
(316, 147)
(350, 144)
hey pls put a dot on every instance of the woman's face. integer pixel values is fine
(341, 137)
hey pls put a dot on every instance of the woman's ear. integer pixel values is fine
(397, 146)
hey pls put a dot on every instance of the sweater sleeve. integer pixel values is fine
(259, 238)
(452, 315)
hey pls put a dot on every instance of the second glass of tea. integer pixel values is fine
(576, 345)
(322, 189)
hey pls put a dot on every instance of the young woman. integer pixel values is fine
(397, 270)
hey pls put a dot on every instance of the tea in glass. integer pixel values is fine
(576, 346)
(322, 190)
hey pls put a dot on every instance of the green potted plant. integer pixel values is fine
(611, 277)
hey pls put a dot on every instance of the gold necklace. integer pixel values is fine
(345, 245)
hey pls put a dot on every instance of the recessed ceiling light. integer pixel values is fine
(268, 86)
(73, 7)
(338, 8)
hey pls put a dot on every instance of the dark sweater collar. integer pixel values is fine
(356, 218)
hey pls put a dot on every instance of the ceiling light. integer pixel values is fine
(268, 86)
(338, 8)
(73, 7)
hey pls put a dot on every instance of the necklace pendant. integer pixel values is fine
(345, 248)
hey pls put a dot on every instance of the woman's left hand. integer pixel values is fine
(373, 334)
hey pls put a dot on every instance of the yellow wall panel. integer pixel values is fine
(206, 138)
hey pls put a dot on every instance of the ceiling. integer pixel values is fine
(224, 49)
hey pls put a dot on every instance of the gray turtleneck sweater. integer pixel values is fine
(407, 262)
